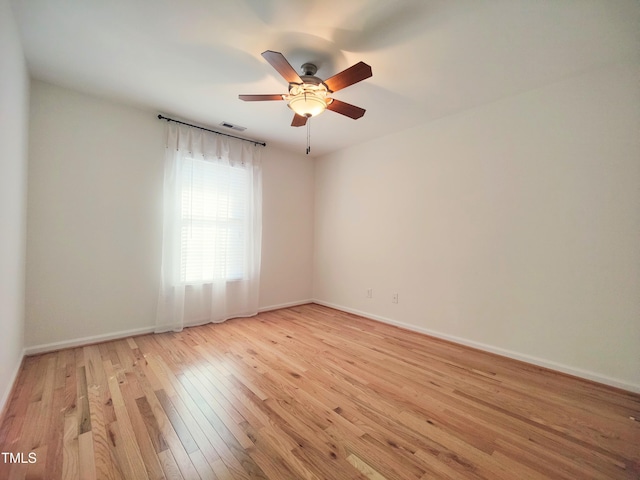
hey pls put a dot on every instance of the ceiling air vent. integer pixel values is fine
(233, 127)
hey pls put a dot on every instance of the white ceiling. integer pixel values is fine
(430, 58)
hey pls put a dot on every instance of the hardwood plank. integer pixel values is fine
(202, 466)
(310, 393)
(178, 453)
(277, 441)
(225, 422)
(84, 414)
(269, 458)
(86, 456)
(234, 455)
(121, 463)
(151, 424)
(123, 438)
(209, 441)
(366, 469)
(169, 466)
(141, 430)
(178, 424)
(70, 449)
(54, 432)
(220, 469)
(104, 465)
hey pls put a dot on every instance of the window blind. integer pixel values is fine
(214, 217)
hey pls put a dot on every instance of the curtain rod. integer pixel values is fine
(160, 117)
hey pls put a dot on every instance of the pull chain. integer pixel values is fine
(308, 135)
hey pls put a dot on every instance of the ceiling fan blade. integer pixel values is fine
(284, 68)
(346, 109)
(298, 120)
(351, 75)
(260, 98)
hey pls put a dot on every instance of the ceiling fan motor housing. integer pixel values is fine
(308, 69)
(309, 76)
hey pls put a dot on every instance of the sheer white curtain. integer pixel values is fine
(212, 230)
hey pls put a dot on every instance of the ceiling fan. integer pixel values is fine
(308, 95)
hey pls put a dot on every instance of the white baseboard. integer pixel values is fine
(284, 305)
(4, 400)
(576, 372)
(80, 342)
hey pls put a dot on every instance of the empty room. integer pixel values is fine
(284, 239)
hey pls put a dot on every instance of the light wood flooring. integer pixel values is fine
(309, 393)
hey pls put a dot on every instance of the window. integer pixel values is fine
(213, 228)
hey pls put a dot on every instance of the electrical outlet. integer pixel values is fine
(370, 293)
(394, 298)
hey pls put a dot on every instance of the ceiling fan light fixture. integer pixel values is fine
(307, 99)
(307, 104)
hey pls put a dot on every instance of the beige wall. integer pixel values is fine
(14, 94)
(513, 227)
(94, 231)
(287, 228)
